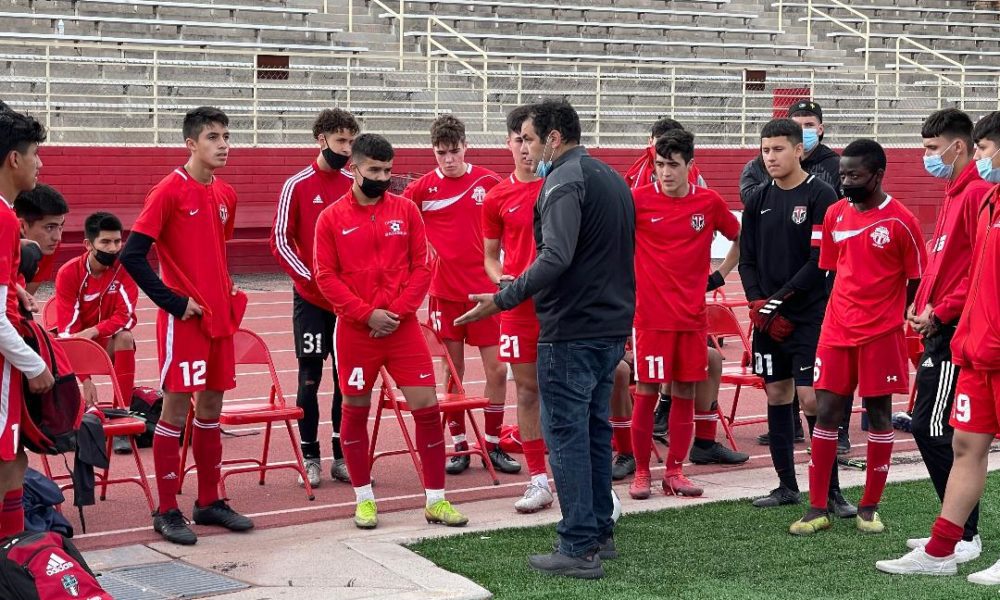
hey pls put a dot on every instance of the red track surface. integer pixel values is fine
(123, 518)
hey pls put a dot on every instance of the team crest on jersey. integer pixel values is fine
(799, 215)
(880, 237)
(223, 213)
(395, 227)
(71, 585)
(698, 222)
(478, 195)
(113, 288)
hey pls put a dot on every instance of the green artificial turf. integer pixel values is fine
(730, 550)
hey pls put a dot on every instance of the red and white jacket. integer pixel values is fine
(370, 257)
(83, 300)
(977, 339)
(303, 197)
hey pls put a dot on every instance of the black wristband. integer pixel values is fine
(715, 281)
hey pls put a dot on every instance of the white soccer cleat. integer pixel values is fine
(313, 471)
(918, 562)
(990, 576)
(536, 498)
(964, 551)
(616, 502)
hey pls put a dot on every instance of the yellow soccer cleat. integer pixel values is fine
(803, 527)
(443, 512)
(874, 526)
(366, 515)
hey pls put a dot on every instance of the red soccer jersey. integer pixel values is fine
(83, 300)
(509, 216)
(874, 253)
(643, 171)
(10, 259)
(370, 257)
(452, 209)
(302, 199)
(190, 223)
(673, 255)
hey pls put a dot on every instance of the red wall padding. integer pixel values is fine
(117, 179)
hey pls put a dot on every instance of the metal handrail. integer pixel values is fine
(866, 35)
(936, 72)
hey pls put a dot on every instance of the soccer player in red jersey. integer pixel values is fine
(451, 200)
(42, 212)
(508, 225)
(19, 139)
(303, 198)
(975, 415)
(675, 224)
(189, 215)
(96, 298)
(873, 244)
(643, 170)
(371, 264)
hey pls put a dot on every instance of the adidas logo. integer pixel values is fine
(170, 476)
(57, 565)
(928, 363)
(317, 200)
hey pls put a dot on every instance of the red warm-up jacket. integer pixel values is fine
(370, 257)
(977, 340)
(83, 300)
(945, 283)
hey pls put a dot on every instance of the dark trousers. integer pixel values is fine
(936, 378)
(575, 380)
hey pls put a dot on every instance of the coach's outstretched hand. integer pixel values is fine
(193, 309)
(485, 307)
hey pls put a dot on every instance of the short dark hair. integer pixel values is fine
(43, 201)
(988, 128)
(517, 117)
(677, 141)
(782, 128)
(371, 145)
(556, 115)
(197, 119)
(98, 222)
(18, 132)
(332, 120)
(664, 125)
(870, 152)
(447, 129)
(950, 123)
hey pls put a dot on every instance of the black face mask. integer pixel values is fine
(374, 189)
(336, 161)
(858, 193)
(105, 258)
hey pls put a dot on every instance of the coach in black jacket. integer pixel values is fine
(583, 285)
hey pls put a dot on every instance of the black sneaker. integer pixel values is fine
(764, 439)
(843, 441)
(660, 418)
(622, 467)
(839, 506)
(800, 434)
(122, 445)
(502, 461)
(220, 513)
(457, 464)
(717, 454)
(174, 527)
(779, 496)
(607, 549)
(582, 567)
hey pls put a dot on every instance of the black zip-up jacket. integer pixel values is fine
(583, 279)
(824, 163)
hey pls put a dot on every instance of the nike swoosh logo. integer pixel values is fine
(435, 444)
(765, 210)
(425, 376)
(552, 189)
(656, 219)
(510, 210)
(805, 368)
(347, 231)
(90, 297)
(348, 443)
(194, 212)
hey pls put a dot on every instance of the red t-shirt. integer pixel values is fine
(509, 216)
(190, 223)
(874, 252)
(673, 255)
(452, 210)
(10, 259)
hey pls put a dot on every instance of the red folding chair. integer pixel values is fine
(49, 315)
(454, 399)
(915, 351)
(250, 349)
(88, 358)
(722, 322)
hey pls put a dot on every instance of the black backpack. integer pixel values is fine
(147, 404)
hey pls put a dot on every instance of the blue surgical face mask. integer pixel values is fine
(934, 165)
(544, 166)
(986, 169)
(810, 139)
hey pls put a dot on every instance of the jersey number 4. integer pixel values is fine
(357, 378)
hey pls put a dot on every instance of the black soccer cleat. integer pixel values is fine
(174, 527)
(717, 454)
(503, 462)
(660, 416)
(220, 513)
(622, 467)
(457, 464)
(839, 505)
(779, 496)
(843, 442)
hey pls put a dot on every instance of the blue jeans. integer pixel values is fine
(575, 381)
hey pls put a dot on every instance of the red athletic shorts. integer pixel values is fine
(877, 368)
(190, 361)
(518, 341)
(666, 356)
(11, 400)
(977, 401)
(359, 356)
(480, 334)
